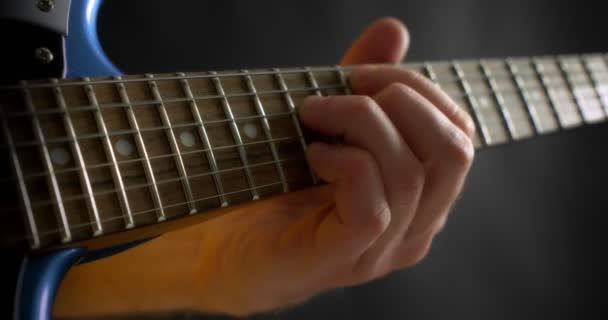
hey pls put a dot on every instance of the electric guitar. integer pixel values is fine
(95, 162)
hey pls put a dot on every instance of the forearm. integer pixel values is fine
(160, 275)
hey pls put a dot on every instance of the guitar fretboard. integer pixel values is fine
(95, 156)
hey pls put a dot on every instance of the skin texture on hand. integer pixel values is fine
(405, 154)
(407, 150)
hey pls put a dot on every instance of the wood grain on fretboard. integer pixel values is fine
(91, 157)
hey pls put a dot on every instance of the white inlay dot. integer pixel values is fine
(124, 147)
(250, 130)
(60, 156)
(186, 138)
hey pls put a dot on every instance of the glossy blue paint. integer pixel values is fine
(39, 280)
(84, 55)
(41, 274)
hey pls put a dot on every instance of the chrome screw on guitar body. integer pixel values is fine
(46, 5)
(44, 55)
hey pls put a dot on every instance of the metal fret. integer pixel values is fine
(570, 84)
(530, 108)
(596, 85)
(538, 70)
(312, 81)
(428, 69)
(82, 172)
(343, 80)
(504, 113)
(477, 117)
(294, 116)
(266, 126)
(235, 133)
(179, 161)
(62, 219)
(109, 151)
(205, 140)
(27, 204)
(141, 149)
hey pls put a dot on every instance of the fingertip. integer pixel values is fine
(307, 109)
(384, 41)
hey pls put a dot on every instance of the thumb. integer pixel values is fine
(385, 41)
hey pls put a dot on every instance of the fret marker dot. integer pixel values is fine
(186, 138)
(60, 156)
(124, 147)
(250, 130)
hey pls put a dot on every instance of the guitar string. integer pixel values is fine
(55, 141)
(595, 99)
(194, 125)
(515, 91)
(141, 212)
(152, 103)
(153, 158)
(580, 59)
(56, 231)
(88, 224)
(161, 182)
(125, 132)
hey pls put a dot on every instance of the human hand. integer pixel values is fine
(407, 150)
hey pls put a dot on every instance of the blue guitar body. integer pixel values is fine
(41, 274)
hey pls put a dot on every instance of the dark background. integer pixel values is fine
(526, 239)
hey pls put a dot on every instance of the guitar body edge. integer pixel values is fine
(41, 274)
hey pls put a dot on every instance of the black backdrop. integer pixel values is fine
(525, 239)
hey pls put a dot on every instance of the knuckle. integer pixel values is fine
(414, 178)
(460, 150)
(400, 89)
(379, 221)
(364, 107)
(359, 161)
(467, 120)
(415, 254)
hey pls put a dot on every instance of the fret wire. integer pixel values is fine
(141, 149)
(266, 126)
(34, 240)
(115, 80)
(109, 151)
(505, 115)
(485, 138)
(538, 69)
(152, 129)
(217, 83)
(206, 97)
(137, 160)
(168, 78)
(343, 81)
(530, 108)
(161, 182)
(146, 103)
(193, 124)
(428, 69)
(205, 139)
(179, 161)
(62, 219)
(570, 84)
(312, 81)
(294, 116)
(83, 176)
(137, 213)
(596, 85)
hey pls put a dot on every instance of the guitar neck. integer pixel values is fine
(90, 157)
